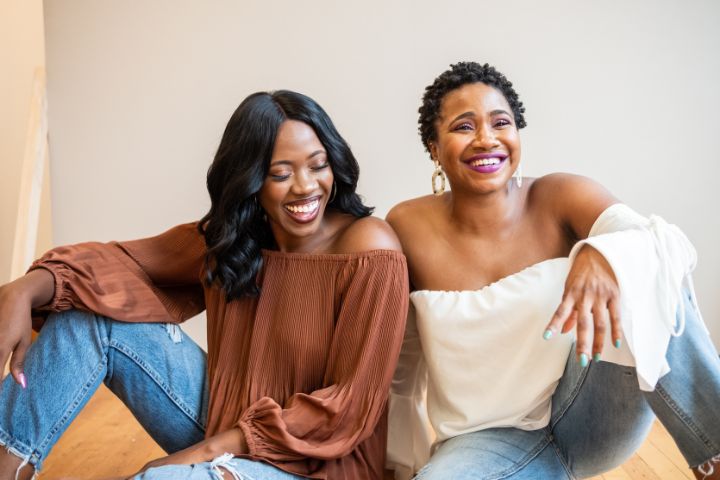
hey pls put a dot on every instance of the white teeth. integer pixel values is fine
(485, 161)
(306, 208)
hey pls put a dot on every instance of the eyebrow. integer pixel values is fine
(469, 114)
(288, 162)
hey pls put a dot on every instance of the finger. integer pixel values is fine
(561, 315)
(571, 322)
(601, 320)
(17, 363)
(584, 335)
(615, 325)
(4, 357)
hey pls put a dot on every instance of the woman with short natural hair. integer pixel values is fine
(501, 267)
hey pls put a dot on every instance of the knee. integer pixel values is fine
(456, 466)
(74, 326)
(68, 318)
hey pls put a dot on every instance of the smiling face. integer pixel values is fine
(298, 186)
(477, 141)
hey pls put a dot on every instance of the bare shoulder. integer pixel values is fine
(566, 183)
(407, 215)
(574, 200)
(365, 234)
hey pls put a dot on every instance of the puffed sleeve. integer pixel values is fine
(330, 422)
(154, 279)
(652, 261)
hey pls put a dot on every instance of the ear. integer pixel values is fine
(432, 147)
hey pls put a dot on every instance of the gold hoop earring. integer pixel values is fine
(438, 173)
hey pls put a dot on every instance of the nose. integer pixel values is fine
(304, 183)
(485, 138)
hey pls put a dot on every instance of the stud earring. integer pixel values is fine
(518, 175)
(438, 173)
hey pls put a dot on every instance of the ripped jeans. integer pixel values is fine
(599, 419)
(156, 370)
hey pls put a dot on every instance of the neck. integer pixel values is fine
(483, 213)
(317, 242)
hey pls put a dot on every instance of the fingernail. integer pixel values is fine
(23, 380)
(547, 334)
(618, 342)
(596, 357)
(583, 360)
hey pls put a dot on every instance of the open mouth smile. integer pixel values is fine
(486, 162)
(303, 211)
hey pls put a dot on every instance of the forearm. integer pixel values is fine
(230, 441)
(38, 286)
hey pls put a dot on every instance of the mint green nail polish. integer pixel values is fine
(596, 357)
(583, 360)
(547, 335)
(618, 342)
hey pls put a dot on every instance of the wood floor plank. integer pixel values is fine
(637, 469)
(617, 474)
(659, 462)
(103, 441)
(662, 440)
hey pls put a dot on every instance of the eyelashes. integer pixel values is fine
(280, 177)
(467, 126)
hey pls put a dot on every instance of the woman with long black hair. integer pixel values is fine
(306, 298)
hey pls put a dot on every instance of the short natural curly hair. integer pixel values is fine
(456, 76)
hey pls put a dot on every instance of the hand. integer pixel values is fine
(230, 441)
(591, 300)
(16, 302)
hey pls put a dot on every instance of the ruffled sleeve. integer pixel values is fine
(330, 422)
(154, 279)
(652, 261)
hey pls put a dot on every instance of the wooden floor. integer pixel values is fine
(105, 440)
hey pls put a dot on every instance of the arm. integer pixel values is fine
(651, 261)
(154, 279)
(591, 296)
(231, 441)
(17, 299)
(631, 269)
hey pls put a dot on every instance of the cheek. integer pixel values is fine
(452, 148)
(327, 179)
(270, 195)
(515, 144)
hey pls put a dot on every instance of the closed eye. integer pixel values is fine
(321, 167)
(464, 126)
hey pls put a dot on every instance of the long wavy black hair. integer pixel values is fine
(235, 228)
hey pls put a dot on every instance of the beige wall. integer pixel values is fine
(22, 50)
(622, 91)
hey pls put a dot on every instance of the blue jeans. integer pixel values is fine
(599, 419)
(157, 371)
